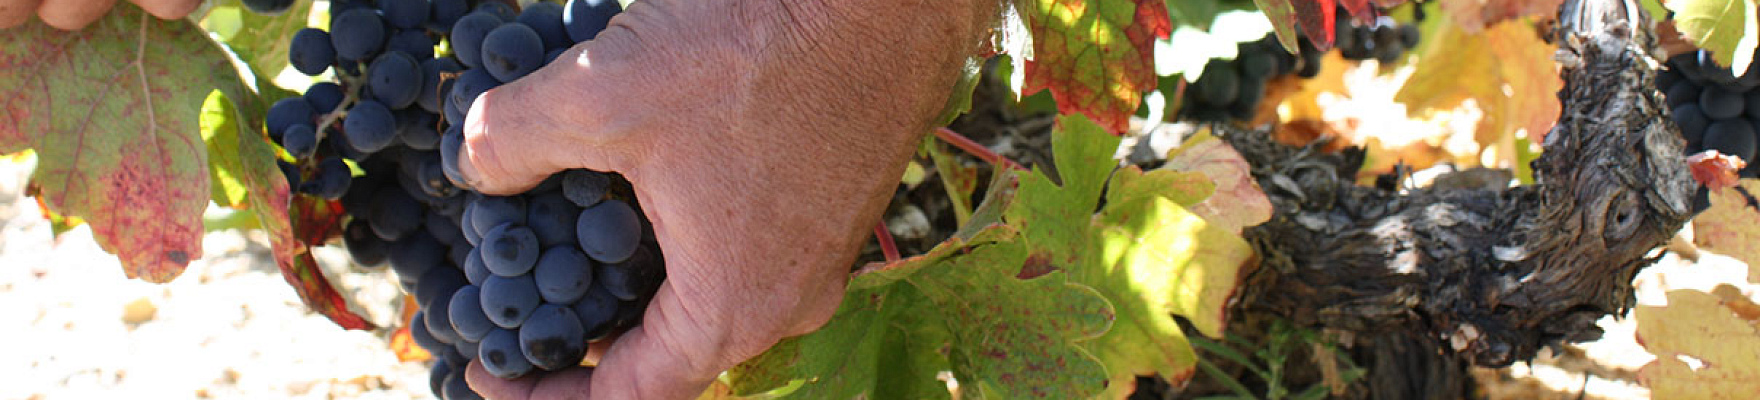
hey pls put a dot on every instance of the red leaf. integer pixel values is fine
(1316, 18)
(314, 290)
(1360, 10)
(316, 220)
(112, 111)
(1095, 55)
(1715, 170)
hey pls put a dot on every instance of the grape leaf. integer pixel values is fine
(1094, 55)
(1238, 202)
(1474, 15)
(1040, 296)
(1731, 226)
(1283, 23)
(260, 40)
(1507, 70)
(1715, 170)
(112, 112)
(1728, 28)
(243, 153)
(1706, 327)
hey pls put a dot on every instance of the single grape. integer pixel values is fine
(1254, 63)
(597, 312)
(467, 348)
(357, 34)
(434, 85)
(552, 217)
(418, 332)
(323, 97)
(496, 210)
(437, 378)
(509, 249)
(438, 282)
(609, 231)
(1720, 103)
(585, 187)
(404, 14)
(1692, 123)
(413, 42)
(442, 14)
(393, 214)
(1683, 93)
(331, 182)
(474, 269)
(433, 179)
(501, 355)
(467, 37)
(285, 113)
(1218, 85)
(395, 79)
(444, 230)
(552, 339)
(563, 274)
(511, 51)
(1666, 78)
(507, 301)
(363, 246)
(370, 126)
(439, 318)
(415, 129)
(415, 255)
(1409, 35)
(311, 52)
(300, 141)
(546, 19)
(467, 227)
(634, 278)
(1733, 137)
(584, 19)
(467, 314)
(450, 144)
(1247, 103)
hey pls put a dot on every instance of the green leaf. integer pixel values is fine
(1725, 27)
(112, 111)
(260, 40)
(1094, 55)
(1283, 21)
(1040, 296)
(1197, 13)
(244, 154)
(221, 128)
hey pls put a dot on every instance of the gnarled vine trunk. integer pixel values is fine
(1420, 285)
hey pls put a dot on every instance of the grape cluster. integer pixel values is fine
(521, 282)
(1715, 108)
(1231, 89)
(1385, 41)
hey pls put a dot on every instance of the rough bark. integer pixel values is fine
(1420, 283)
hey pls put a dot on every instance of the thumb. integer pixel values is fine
(669, 355)
(517, 134)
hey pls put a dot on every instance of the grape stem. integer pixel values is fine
(887, 246)
(975, 149)
(349, 97)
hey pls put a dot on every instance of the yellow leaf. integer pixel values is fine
(1703, 348)
(1506, 69)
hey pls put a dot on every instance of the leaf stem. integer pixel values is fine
(887, 246)
(975, 149)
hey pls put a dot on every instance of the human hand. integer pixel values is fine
(763, 138)
(76, 14)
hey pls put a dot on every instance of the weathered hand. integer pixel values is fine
(76, 14)
(763, 138)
